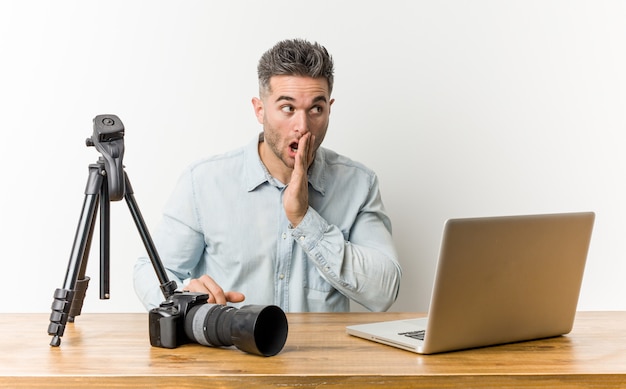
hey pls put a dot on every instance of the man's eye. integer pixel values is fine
(317, 109)
(287, 108)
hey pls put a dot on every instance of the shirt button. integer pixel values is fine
(302, 237)
(281, 276)
(284, 236)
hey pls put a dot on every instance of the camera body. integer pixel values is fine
(167, 321)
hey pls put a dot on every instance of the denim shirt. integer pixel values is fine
(225, 218)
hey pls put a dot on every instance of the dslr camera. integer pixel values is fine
(187, 317)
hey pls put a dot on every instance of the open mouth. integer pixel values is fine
(294, 146)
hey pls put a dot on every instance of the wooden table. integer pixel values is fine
(113, 350)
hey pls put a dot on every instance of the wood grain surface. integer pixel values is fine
(113, 351)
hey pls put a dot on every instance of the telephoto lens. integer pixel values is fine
(256, 329)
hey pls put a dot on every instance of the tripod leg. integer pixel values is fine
(167, 287)
(82, 282)
(66, 298)
(105, 239)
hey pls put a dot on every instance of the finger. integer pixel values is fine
(311, 151)
(206, 284)
(234, 297)
(216, 293)
(303, 150)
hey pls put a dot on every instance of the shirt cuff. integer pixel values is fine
(310, 230)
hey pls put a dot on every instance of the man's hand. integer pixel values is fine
(296, 196)
(206, 284)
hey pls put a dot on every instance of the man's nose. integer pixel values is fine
(301, 123)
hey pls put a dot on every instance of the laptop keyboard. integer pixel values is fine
(414, 334)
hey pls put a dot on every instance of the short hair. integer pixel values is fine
(295, 57)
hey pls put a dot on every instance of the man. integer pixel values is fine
(282, 220)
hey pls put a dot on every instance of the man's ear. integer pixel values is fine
(258, 109)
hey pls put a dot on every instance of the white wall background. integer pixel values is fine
(464, 108)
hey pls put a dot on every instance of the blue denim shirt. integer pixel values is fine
(225, 218)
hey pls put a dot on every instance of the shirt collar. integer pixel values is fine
(256, 173)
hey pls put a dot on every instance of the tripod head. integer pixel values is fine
(108, 139)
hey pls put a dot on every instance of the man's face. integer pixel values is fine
(294, 106)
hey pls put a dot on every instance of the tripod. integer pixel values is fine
(107, 182)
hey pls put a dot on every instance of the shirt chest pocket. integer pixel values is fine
(315, 281)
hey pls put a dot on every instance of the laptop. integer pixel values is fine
(499, 280)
